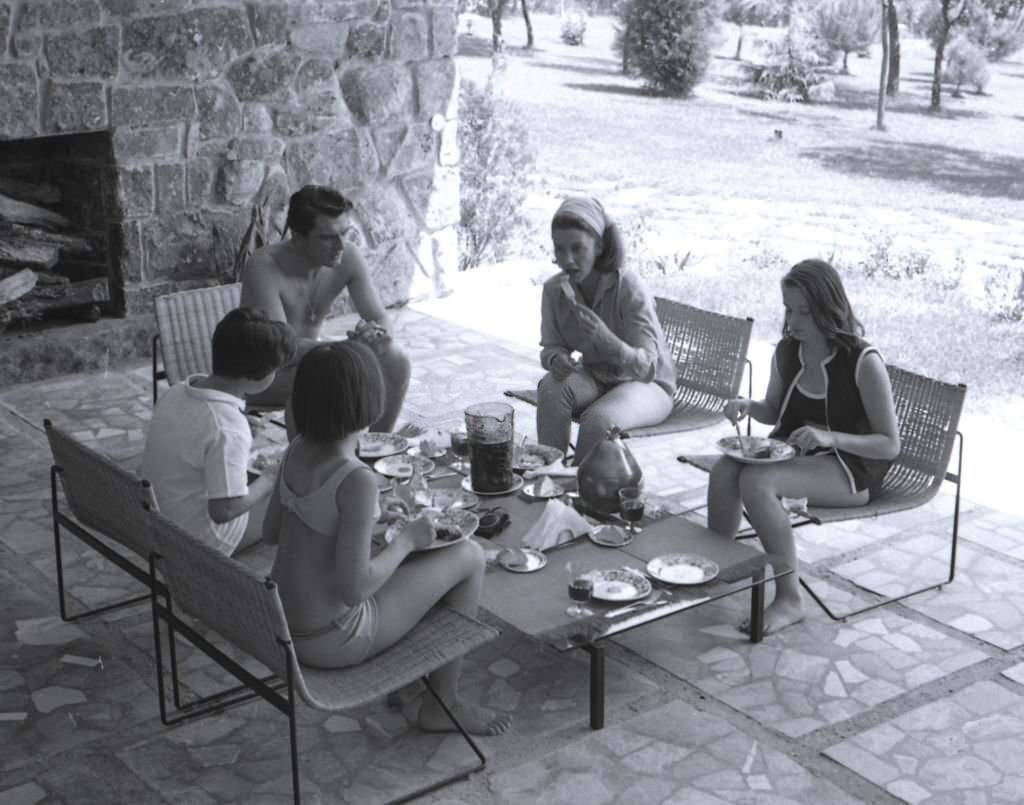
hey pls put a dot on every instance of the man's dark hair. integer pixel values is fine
(338, 390)
(246, 344)
(309, 202)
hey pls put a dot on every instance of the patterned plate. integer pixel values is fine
(759, 449)
(376, 445)
(266, 458)
(682, 568)
(523, 560)
(532, 456)
(535, 489)
(619, 584)
(454, 499)
(610, 536)
(452, 527)
(403, 466)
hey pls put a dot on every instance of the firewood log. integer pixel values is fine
(17, 285)
(35, 193)
(14, 210)
(25, 253)
(69, 243)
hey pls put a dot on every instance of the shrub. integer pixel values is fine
(847, 26)
(966, 64)
(668, 42)
(493, 172)
(1004, 294)
(574, 27)
(795, 64)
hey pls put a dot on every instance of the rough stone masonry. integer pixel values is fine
(214, 105)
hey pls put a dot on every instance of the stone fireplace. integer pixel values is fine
(174, 117)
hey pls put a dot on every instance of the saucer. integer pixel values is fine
(517, 484)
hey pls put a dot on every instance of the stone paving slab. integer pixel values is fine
(77, 777)
(963, 748)
(675, 754)
(808, 676)
(986, 599)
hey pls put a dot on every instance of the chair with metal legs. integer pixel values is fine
(245, 609)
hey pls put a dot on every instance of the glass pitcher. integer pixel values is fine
(491, 430)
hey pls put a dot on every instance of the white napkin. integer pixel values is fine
(558, 523)
(556, 470)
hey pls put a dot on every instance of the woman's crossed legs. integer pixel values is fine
(757, 488)
(453, 576)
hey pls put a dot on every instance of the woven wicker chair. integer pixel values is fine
(245, 609)
(929, 414)
(102, 497)
(710, 353)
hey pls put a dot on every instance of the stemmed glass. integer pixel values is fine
(581, 586)
(631, 506)
(460, 449)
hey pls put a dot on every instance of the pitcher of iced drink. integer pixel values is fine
(491, 431)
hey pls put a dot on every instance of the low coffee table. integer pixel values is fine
(535, 602)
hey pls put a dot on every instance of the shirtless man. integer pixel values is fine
(298, 279)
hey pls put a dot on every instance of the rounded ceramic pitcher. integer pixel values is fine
(607, 468)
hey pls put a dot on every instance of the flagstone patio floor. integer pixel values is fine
(920, 702)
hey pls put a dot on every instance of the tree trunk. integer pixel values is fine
(893, 86)
(884, 71)
(625, 50)
(529, 25)
(497, 12)
(739, 45)
(940, 54)
(846, 66)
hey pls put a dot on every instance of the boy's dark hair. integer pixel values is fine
(246, 344)
(613, 250)
(338, 390)
(309, 202)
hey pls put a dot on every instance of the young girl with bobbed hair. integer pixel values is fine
(829, 396)
(344, 603)
(625, 375)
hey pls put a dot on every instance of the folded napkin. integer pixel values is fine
(558, 523)
(556, 470)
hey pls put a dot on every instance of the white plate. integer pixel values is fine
(780, 451)
(266, 458)
(403, 466)
(438, 448)
(682, 568)
(529, 561)
(465, 522)
(533, 490)
(610, 536)
(532, 456)
(377, 445)
(619, 584)
(453, 499)
(517, 484)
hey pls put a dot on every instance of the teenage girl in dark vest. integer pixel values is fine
(828, 396)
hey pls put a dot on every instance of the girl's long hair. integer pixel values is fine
(830, 308)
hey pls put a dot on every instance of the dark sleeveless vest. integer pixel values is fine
(844, 408)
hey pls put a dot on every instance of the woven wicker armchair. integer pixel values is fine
(185, 323)
(710, 353)
(104, 499)
(245, 608)
(929, 414)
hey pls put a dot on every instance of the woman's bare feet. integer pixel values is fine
(779, 615)
(477, 720)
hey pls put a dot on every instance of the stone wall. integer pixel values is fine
(213, 105)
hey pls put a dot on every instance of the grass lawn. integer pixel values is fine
(708, 176)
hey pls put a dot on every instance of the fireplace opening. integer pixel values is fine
(58, 212)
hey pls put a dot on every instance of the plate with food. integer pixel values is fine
(378, 445)
(610, 536)
(756, 449)
(522, 560)
(403, 466)
(534, 456)
(543, 488)
(449, 528)
(619, 584)
(430, 447)
(266, 459)
(682, 568)
(449, 499)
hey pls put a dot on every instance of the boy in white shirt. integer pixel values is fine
(197, 449)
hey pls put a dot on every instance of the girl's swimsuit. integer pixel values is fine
(348, 638)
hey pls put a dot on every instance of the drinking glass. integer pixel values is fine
(460, 449)
(580, 588)
(631, 507)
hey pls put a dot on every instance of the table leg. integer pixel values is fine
(596, 685)
(757, 607)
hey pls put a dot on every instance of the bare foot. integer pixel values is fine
(477, 720)
(778, 616)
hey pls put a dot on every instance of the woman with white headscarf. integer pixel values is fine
(625, 375)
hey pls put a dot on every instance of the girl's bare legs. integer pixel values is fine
(725, 508)
(824, 483)
(453, 575)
